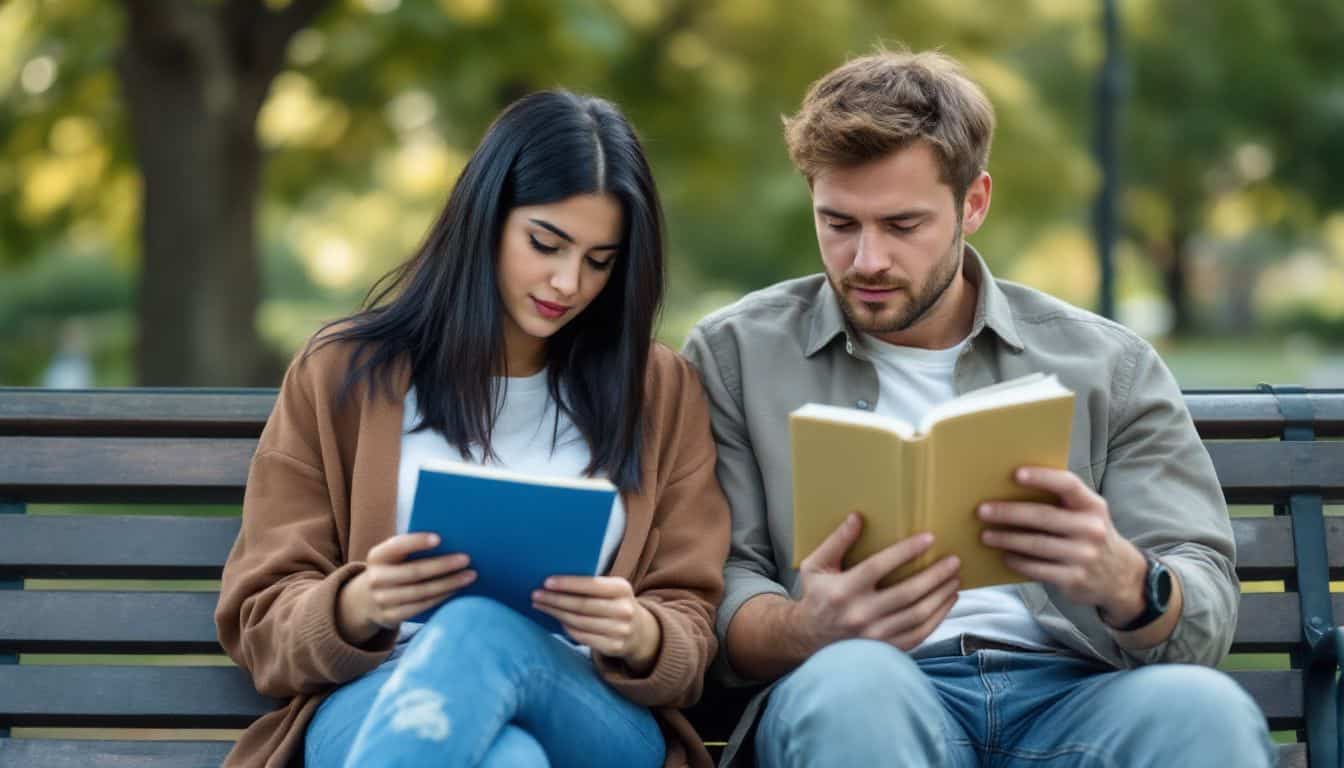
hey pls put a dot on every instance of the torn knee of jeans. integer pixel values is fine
(421, 711)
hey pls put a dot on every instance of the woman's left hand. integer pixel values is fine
(602, 613)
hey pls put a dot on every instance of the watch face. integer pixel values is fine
(1159, 585)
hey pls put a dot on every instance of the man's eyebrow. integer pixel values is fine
(558, 232)
(824, 211)
(917, 213)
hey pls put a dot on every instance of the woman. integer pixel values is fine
(518, 335)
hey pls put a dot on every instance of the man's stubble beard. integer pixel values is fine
(914, 311)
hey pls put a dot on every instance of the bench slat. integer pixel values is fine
(1263, 472)
(1278, 692)
(135, 412)
(114, 546)
(125, 469)
(183, 622)
(107, 622)
(54, 753)
(1265, 547)
(153, 546)
(1271, 623)
(129, 697)
(80, 753)
(170, 697)
(242, 412)
(1248, 413)
(183, 469)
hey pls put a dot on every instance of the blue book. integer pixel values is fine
(517, 529)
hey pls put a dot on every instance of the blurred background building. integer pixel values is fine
(188, 188)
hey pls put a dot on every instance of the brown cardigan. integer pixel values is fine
(322, 491)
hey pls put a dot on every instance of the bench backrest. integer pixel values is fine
(179, 447)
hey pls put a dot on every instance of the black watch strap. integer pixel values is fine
(1156, 594)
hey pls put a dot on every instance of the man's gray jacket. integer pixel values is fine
(1133, 442)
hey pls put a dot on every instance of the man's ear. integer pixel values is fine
(975, 205)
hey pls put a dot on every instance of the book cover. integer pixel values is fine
(517, 529)
(906, 479)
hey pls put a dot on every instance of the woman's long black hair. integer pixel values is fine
(441, 310)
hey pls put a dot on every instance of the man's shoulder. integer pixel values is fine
(1050, 321)
(784, 307)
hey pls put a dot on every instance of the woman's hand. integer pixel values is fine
(392, 589)
(602, 613)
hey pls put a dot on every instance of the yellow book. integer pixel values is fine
(906, 479)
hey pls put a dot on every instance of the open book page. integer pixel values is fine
(971, 459)
(835, 413)
(842, 466)
(1025, 389)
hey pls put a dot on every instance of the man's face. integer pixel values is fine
(890, 237)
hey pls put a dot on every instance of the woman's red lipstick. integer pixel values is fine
(549, 310)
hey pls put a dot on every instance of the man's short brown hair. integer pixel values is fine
(886, 101)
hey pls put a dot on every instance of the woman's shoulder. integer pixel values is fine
(672, 382)
(323, 364)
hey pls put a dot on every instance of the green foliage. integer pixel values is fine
(370, 122)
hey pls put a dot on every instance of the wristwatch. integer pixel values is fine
(1156, 594)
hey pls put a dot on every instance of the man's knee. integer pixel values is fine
(1199, 709)
(1186, 693)
(853, 681)
(856, 702)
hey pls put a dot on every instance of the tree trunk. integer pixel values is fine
(194, 77)
(1176, 284)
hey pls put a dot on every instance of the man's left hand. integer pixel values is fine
(1073, 546)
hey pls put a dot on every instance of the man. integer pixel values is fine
(1102, 658)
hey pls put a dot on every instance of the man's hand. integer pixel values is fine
(839, 604)
(602, 613)
(1073, 546)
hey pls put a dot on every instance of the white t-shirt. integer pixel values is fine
(910, 382)
(521, 441)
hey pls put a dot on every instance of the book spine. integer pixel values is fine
(922, 475)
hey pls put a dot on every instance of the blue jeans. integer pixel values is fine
(862, 702)
(480, 684)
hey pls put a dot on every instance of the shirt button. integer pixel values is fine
(849, 347)
(862, 405)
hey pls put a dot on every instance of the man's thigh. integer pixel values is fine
(1164, 714)
(857, 702)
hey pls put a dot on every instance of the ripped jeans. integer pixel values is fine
(481, 685)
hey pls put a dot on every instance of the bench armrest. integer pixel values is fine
(1325, 699)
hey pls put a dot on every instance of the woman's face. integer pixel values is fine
(554, 259)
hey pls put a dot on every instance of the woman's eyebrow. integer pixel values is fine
(558, 232)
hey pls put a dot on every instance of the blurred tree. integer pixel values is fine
(1226, 98)
(364, 115)
(195, 76)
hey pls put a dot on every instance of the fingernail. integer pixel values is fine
(433, 540)
(852, 520)
(925, 539)
(550, 584)
(1023, 474)
(986, 510)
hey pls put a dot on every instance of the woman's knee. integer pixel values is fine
(515, 747)
(481, 619)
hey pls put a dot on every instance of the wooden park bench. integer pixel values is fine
(173, 448)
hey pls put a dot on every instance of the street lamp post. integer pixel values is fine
(1109, 87)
